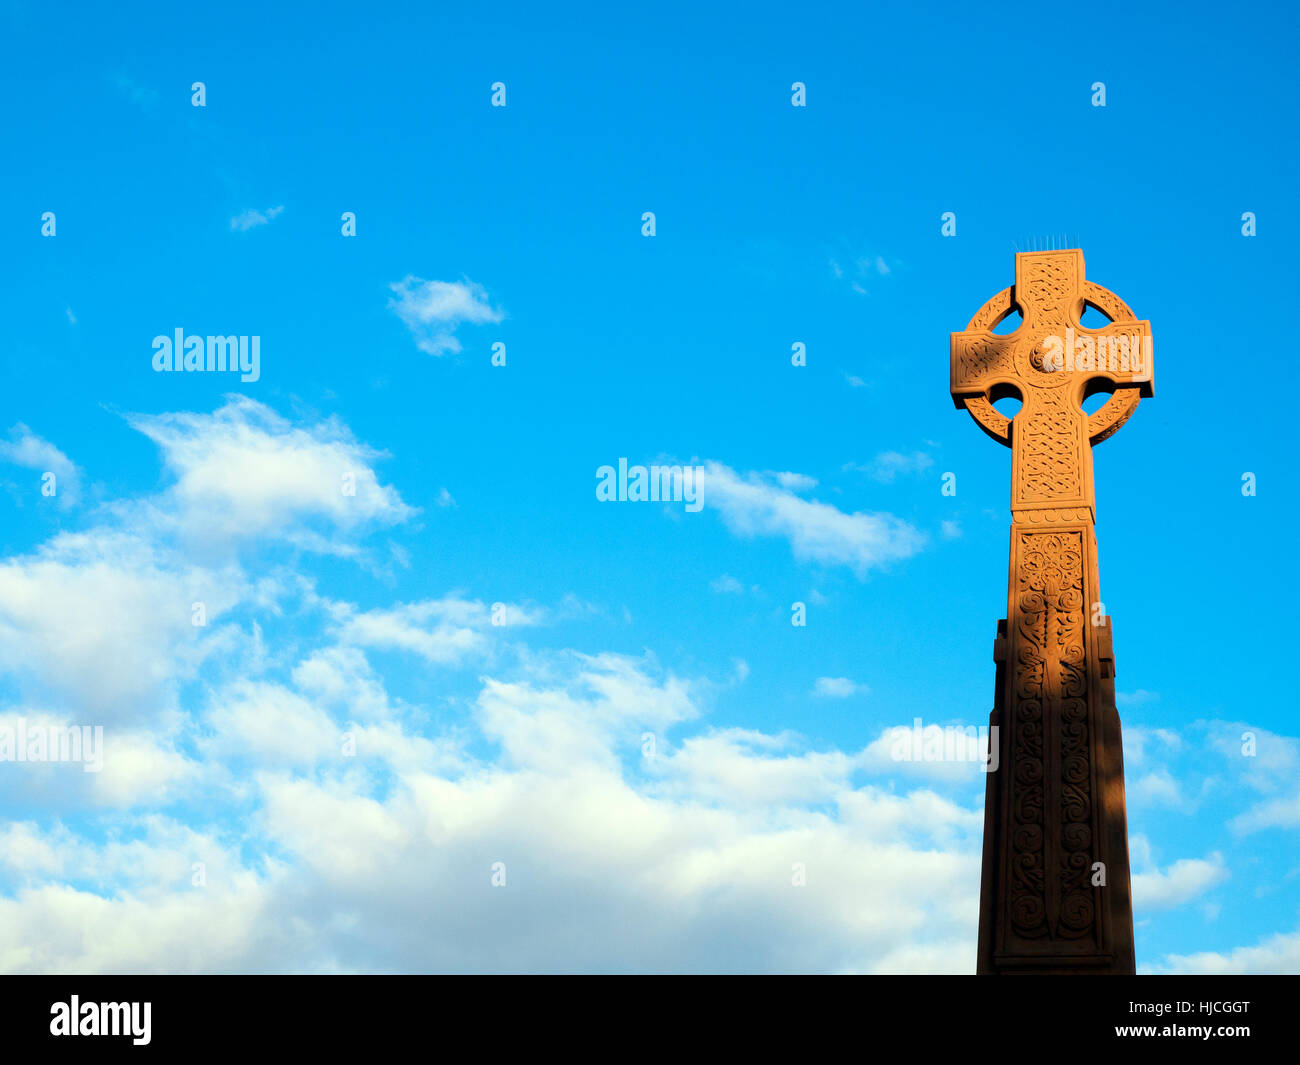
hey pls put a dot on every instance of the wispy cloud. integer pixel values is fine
(755, 504)
(434, 310)
(860, 271)
(837, 688)
(24, 448)
(1275, 813)
(441, 631)
(251, 219)
(795, 482)
(143, 96)
(888, 466)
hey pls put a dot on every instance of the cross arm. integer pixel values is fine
(978, 361)
(1120, 353)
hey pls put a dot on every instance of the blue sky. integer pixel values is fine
(370, 615)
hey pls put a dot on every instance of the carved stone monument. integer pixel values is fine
(1054, 892)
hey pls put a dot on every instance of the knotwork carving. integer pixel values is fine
(1050, 465)
(1051, 677)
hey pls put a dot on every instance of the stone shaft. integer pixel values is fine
(1054, 892)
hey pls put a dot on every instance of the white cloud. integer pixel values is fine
(439, 630)
(889, 465)
(27, 849)
(1138, 739)
(748, 768)
(192, 931)
(341, 678)
(105, 620)
(244, 472)
(726, 585)
(251, 219)
(1267, 761)
(818, 532)
(696, 861)
(140, 769)
(1275, 813)
(382, 862)
(837, 688)
(1183, 881)
(553, 729)
(317, 863)
(433, 310)
(271, 724)
(1158, 787)
(1279, 954)
(795, 482)
(443, 631)
(24, 448)
(901, 751)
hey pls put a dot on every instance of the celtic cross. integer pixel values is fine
(1054, 891)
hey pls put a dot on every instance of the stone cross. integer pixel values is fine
(1054, 892)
